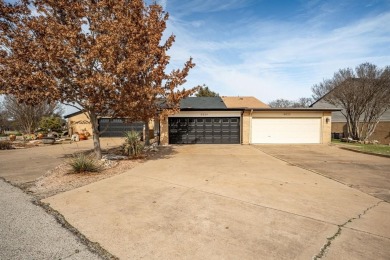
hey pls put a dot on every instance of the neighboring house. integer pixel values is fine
(232, 120)
(79, 122)
(339, 123)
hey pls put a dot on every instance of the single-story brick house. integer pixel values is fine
(339, 123)
(230, 120)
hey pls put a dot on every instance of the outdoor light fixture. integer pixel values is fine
(327, 120)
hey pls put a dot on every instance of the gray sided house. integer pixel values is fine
(339, 123)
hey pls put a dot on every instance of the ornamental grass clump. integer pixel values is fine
(82, 163)
(133, 146)
(5, 145)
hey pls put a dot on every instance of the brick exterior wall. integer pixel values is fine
(245, 128)
(326, 127)
(164, 131)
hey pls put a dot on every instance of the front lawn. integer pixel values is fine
(368, 148)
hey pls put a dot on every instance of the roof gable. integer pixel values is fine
(243, 102)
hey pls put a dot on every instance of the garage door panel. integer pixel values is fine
(116, 127)
(204, 130)
(286, 130)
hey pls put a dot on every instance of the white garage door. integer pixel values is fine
(286, 130)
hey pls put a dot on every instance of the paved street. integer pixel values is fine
(28, 232)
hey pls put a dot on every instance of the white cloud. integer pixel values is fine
(273, 59)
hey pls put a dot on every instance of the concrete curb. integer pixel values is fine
(363, 152)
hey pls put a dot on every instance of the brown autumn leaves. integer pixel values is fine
(105, 57)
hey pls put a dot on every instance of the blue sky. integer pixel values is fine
(275, 49)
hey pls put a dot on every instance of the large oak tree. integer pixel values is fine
(102, 56)
(362, 93)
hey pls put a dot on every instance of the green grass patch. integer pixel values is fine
(367, 148)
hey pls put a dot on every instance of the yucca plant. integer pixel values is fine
(84, 163)
(133, 145)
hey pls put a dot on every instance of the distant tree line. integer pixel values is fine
(29, 118)
(204, 91)
(285, 103)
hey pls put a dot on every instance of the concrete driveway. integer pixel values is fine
(25, 165)
(227, 202)
(368, 173)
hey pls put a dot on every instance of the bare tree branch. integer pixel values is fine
(363, 93)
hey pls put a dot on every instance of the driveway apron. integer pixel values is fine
(227, 202)
(26, 165)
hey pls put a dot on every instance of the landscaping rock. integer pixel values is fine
(35, 142)
(108, 163)
(114, 157)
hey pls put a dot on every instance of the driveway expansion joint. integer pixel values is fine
(327, 245)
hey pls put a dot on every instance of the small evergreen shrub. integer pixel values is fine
(5, 145)
(84, 163)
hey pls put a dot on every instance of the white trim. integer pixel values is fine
(207, 114)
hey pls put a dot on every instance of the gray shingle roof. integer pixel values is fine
(202, 103)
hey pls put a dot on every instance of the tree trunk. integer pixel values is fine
(147, 139)
(354, 128)
(371, 129)
(96, 135)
